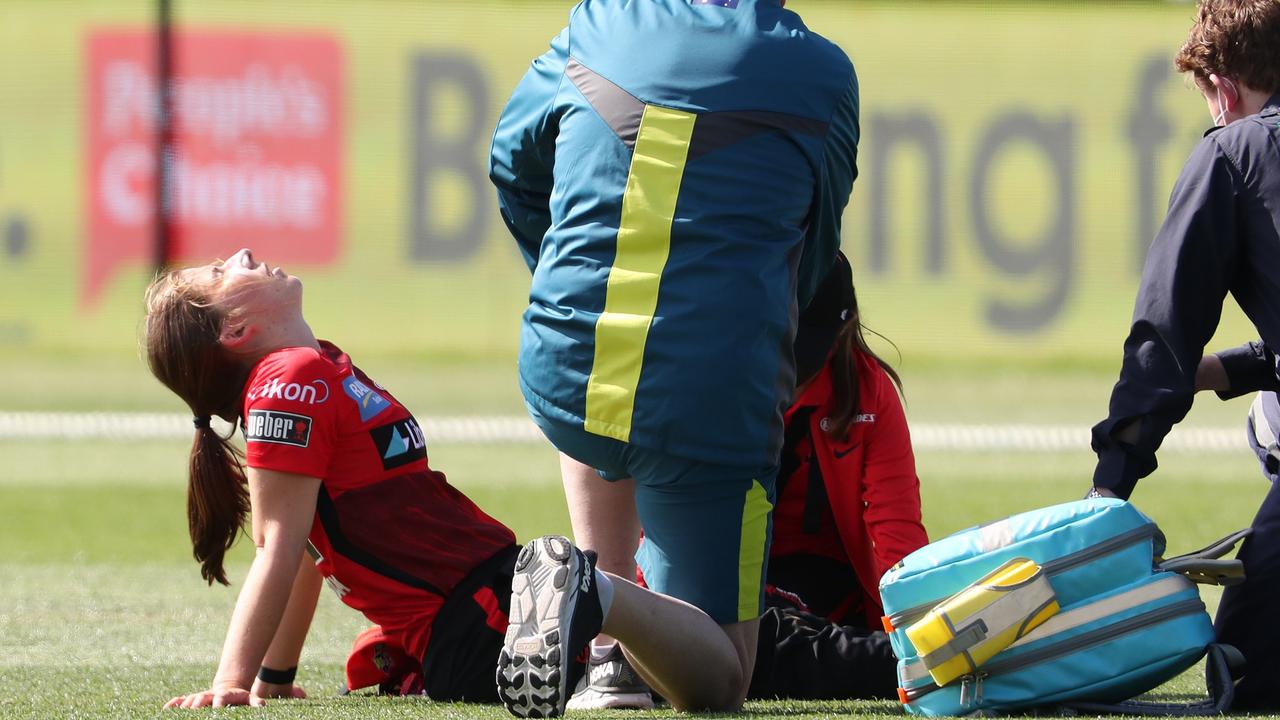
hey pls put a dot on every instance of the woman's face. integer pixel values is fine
(241, 286)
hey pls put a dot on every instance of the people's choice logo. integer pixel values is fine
(312, 393)
(256, 149)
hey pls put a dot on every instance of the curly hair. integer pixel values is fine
(1239, 39)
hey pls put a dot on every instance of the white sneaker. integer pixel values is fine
(611, 683)
(555, 611)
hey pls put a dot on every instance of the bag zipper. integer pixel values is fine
(971, 685)
(971, 688)
(903, 618)
(1081, 557)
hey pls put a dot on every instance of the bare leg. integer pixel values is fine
(604, 519)
(603, 515)
(680, 651)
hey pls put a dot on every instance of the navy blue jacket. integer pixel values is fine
(1221, 235)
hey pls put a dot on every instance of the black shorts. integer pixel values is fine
(466, 635)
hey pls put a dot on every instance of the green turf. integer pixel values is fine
(103, 614)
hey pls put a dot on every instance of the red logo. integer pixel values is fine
(257, 151)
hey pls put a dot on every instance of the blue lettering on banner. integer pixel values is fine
(368, 400)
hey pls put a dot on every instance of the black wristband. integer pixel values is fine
(277, 677)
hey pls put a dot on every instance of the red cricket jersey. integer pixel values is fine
(391, 537)
(869, 517)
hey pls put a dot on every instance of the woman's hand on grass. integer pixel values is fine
(223, 697)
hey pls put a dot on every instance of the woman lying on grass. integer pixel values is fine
(333, 465)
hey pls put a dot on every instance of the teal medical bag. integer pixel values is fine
(1128, 621)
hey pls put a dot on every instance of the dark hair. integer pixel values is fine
(846, 397)
(1239, 39)
(181, 340)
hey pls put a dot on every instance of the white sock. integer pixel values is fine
(601, 651)
(604, 587)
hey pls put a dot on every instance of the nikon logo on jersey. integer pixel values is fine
(272, 426)
(399, 443)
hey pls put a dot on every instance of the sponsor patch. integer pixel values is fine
(282, 428)
(367, 399)
(399, 443)
(312, 393)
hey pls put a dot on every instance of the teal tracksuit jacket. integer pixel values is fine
(674, 172)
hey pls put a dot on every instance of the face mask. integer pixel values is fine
(1221, 118)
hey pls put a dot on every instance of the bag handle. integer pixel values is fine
(1223, 666)
(1205, 566)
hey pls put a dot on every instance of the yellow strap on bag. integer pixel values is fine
(969, 628)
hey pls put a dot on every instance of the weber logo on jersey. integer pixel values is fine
(399, 443)
(273, 426)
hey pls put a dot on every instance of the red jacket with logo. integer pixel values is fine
(866, 513)
(391, 536)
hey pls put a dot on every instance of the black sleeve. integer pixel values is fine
(1187, 275)
(1250, 368)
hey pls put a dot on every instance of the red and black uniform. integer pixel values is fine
(848, 509)
(392, 538)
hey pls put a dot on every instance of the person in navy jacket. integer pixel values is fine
(1221, 235)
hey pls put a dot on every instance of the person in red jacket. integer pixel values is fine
(334, 465)
(848, 503)
(848, 509)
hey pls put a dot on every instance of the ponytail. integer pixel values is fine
(217, 501)
(183, 352)
(845, 388)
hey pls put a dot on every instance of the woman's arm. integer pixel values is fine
(286, 646)
(283, 505)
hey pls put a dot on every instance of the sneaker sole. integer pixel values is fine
(600, 700)
(532, 667)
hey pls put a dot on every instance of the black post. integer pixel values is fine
(164, 150)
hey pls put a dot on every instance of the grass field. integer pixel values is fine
(103, 614)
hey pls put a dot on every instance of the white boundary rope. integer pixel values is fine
(480, 429)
